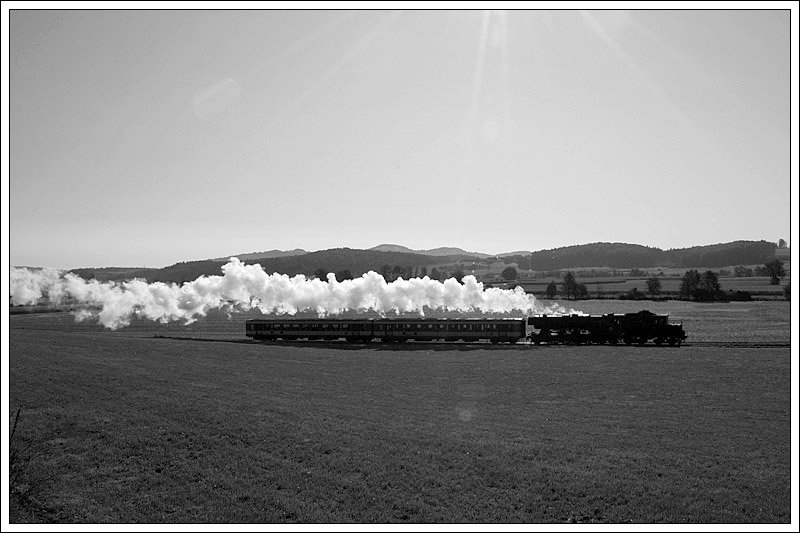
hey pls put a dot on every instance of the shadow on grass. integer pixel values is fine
(373, 345)
(412, 346)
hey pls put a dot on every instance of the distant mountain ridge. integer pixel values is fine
(261, 255)
(437, 252)
(388, 256)
(624, 255)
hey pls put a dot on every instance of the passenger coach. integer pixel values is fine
(388, 330)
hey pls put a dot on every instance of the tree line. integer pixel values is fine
(626, 256)
(694, 285)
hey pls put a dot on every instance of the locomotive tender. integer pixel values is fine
(628, 328)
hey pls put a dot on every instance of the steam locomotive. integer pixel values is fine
(629, 328)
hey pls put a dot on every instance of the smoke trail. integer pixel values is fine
(243, 287)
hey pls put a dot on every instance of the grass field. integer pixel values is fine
(613, 287)
(155, 424)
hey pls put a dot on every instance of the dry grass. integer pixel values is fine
(129, 428)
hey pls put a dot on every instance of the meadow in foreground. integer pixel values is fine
(119, 427)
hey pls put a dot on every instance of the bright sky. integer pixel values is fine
(143, 138)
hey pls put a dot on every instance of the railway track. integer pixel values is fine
(477, 344)
(740, 344)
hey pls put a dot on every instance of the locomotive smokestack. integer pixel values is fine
(242, 287)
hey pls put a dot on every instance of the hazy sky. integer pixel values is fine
(143, 138)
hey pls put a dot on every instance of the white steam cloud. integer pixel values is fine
(243, 287)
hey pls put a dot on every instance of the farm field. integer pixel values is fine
(612, 287)
(194, 424)
(742, 322)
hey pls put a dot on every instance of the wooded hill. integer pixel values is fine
(332, 260)
(609, 255)
(622, 255)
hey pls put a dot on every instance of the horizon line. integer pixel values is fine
(412, 250)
